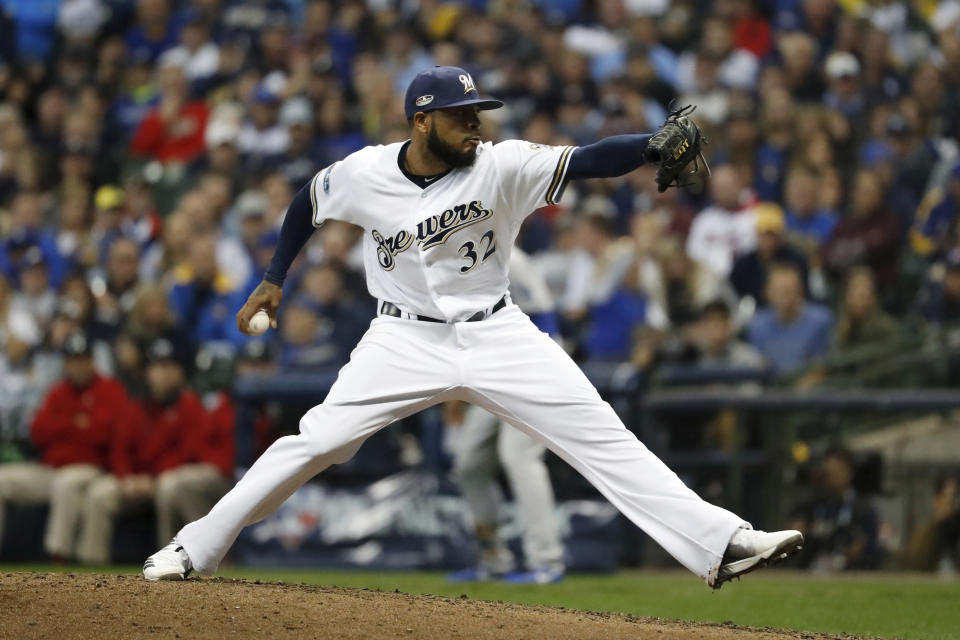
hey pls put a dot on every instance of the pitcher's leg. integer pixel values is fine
(394, 371)
(534, 385)
(522, 459)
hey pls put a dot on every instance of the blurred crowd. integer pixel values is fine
(149, 149)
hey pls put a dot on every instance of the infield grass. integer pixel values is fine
(884, 605)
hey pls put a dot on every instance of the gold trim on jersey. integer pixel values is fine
(313, 198)
(558, 176)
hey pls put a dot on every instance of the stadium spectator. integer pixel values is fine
(937, 216)
(278, 192)
(323, 284)
(76, 431)
(19, 330)
(251, 214)
(201, 298)
(108, 217)
(222, 156)
(27, 230)
(156, 438)
(174, 131)
(868, 235)
(800, 73)
(790, 333)
(206, 208)
(778, 114)
(596, 302)
(722, 231)
(74, 237)
(307, 337)
(19, 335)
(188, 491)
(74, 314)
(163, 259)
(715, 349)
(940, 300)
(200, 55)
(298, 162)
(263, 139)
(142, 222)
(717, 344)
(935, 544)
(115, 289)
(153, 31)
(845, 93)
(860, 320)
(36, 295)
(736, 68)
(677, 287)
(151, 318)
(840, 525)
(749, 274)
(338, 246)
(807, 222)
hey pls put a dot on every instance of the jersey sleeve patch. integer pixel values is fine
(320, 193)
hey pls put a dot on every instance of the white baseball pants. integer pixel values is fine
(505, 365)
(484, 443)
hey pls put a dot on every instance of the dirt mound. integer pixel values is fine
(66, 606)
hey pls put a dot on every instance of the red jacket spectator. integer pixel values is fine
(168, 432)
(82, 425)
(178, 139)
(215, 444)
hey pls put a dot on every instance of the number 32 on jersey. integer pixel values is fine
(476, 253)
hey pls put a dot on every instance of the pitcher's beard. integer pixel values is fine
(448, 154)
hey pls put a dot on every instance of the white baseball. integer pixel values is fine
(259, 323)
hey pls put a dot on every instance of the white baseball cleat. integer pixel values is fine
(170, 563)
(750, 550)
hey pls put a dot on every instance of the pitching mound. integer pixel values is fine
(67, 606)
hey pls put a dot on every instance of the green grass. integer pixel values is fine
(884, 605)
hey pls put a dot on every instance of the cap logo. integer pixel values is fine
(422, 101)
(467, 81)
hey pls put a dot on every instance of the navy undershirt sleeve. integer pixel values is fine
(296, 229)
(610, 157)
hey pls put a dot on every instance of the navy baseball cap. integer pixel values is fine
(443, 87)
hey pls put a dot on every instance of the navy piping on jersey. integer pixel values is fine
(313, 199)
(421, 181)
(559, 182)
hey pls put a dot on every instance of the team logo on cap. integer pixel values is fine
(423, 101)
(467, 81)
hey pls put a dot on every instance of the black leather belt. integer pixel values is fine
(390, 309)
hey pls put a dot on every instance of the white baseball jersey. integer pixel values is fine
(442, 251)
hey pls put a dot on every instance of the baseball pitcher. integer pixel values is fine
(440, 212)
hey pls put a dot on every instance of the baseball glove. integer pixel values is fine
(675, 146)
